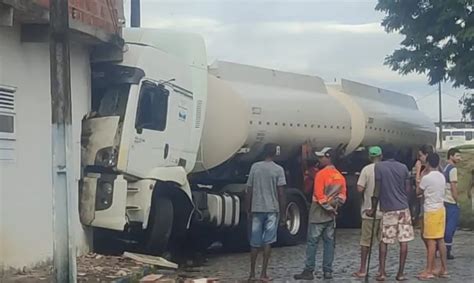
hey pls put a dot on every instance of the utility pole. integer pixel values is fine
(64, 250)
(135, 13)
(440, 117)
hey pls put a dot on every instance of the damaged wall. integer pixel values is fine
(26, 228)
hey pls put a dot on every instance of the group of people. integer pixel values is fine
(385, 185)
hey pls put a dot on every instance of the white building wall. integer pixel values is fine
(26, 227)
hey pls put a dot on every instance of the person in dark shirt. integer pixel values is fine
(392, 186)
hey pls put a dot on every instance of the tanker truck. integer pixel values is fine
(169, 142)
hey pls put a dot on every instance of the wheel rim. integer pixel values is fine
(293, 218)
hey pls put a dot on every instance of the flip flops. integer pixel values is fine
(359, 275)
(443, 275)
(401, 278)
(424, 276)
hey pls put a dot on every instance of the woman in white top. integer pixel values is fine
(432, 186)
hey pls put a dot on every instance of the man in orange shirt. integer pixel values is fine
(329, 193)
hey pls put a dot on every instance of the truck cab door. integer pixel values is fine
(150, 144)
(163, 123)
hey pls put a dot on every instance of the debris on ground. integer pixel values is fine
(153, 260)
(151, 278)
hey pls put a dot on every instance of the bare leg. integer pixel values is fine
(267, 250)
(364, 252)
(431, 256)
(403, 258)
(253, 261)
(382, 257)
(443, 257)
(424, 272)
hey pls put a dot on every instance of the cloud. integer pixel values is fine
(290, 27)
(330, 39)
(384, 73)
(321, 27)
(185, 23)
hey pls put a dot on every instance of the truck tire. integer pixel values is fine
(297, 221)
(160, 226)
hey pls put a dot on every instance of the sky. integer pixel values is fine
(330, 39)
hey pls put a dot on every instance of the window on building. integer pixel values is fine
(469, 136)
(446, 134)
(7, 112)
(152, 107)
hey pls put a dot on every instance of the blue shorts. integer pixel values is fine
(264, 229)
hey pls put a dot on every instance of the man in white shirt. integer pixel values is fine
(432, 186)
(366, 185)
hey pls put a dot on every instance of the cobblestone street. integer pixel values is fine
(287, 261)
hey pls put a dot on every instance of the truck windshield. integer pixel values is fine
(114, 101)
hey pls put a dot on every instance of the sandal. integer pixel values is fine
(423, 277)
(403, 278)
(443, 275)
(381, 277)
(359, 275)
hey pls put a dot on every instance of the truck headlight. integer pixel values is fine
(106, 157)
(104, 195)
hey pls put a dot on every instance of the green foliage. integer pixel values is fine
(468, 102)
(439, 39)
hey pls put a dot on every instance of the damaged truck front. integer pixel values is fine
(141, 138)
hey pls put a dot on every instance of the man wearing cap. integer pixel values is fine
(329, 193)
(366, 185)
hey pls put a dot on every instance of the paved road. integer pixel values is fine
(284, 264)
(288, 261)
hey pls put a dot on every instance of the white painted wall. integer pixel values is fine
(26, 227)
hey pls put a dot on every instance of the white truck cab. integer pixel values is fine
(145, 127)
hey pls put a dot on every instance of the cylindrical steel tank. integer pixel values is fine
(250, 106)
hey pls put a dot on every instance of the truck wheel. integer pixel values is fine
(160, 226)
(296, 221)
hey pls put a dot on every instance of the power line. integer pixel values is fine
(426, 95)
(433, 93)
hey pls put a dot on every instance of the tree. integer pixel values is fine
(468, 102)
(439, 41)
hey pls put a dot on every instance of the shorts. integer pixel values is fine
(264, 229)
(396, 225)
(434, 223)
(366, 232)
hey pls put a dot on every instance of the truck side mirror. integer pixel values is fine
(139, 130)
